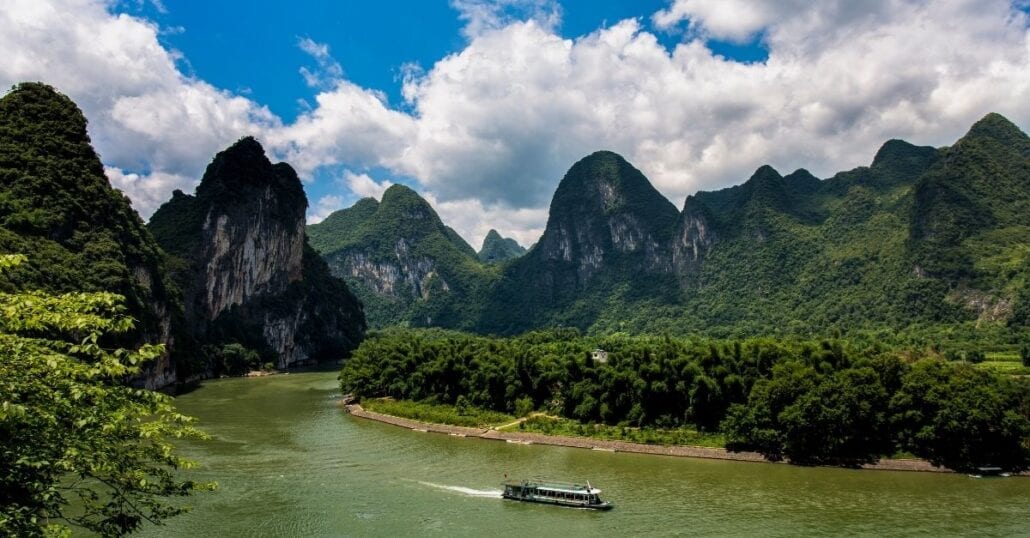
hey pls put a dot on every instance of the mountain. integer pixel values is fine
(243, 262)
(403, 262)
(607, 240)
(971, 220)
(58, 208)
(497, 249)
(923, 244)
(921, 238)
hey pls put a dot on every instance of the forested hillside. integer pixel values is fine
(78, 234)
(923, 245)
(403, 262)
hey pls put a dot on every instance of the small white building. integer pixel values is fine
(600, 355)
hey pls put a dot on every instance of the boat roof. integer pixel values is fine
(565, 487)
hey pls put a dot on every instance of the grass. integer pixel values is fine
(648, 436)
(481, 418)
(1005, 362)
(437, 413)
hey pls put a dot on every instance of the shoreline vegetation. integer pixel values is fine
(518, 436)
(833, 402)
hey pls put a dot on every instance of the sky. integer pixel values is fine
(482, 105)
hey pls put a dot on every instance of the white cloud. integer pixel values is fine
(323, 207)
(500, 121)
(148, 192)
(328, 73)
(144, 113)
(488, 131)
(363, 186)
(735, 20)
(482, 16)
(348, 125)
(472, 219)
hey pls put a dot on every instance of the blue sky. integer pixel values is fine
(251, 46)
(508, 94)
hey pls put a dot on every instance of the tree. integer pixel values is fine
(73, 433)
(1024, 354)
(962, 417)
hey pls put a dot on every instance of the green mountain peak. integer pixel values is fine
(58, 208)
(400, 259)
(497, 249)
(998, 128)
(243, 167)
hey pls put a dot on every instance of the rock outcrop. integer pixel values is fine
(247, 273)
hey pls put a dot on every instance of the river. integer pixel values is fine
(290, 462)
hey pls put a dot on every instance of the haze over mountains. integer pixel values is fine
(922, 237)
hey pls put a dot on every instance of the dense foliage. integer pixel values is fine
(58, 208)
(809, 401)
(80, 448)
(926, 246)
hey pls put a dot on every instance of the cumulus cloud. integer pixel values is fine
(148, 191)
(144, 113)
(349, 125)
(473, 219)
(501, 120)
(363, 186)
(488, 131)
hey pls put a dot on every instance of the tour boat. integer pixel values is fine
(560, 493)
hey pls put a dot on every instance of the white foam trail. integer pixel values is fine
(491, 493)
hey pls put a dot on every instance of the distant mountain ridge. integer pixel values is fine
(922, 237)
(497, 249)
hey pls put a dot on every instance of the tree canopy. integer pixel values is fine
(80, 447)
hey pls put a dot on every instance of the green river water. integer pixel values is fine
(290, 462)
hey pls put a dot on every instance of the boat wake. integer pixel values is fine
(487, 493)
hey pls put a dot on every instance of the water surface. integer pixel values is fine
(290, 462)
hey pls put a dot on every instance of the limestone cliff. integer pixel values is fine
(247, 273)
(402, 261)
(694, 237)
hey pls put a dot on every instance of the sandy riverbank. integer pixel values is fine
(614, 446)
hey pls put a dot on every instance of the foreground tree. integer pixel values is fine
(77, 446)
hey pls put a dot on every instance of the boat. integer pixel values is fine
(559, 493)
(989, 471)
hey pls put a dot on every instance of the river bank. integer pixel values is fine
(612, 446)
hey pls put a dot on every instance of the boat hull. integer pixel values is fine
(557, 502)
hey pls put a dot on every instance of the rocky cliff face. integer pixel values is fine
(250, 277)
(694, 237)
(402, 260)
(604, 209)
(58, 208)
